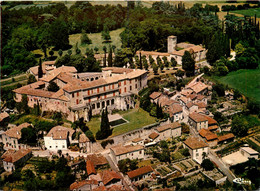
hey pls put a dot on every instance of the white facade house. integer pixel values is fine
(58, 138)
(249, 152)
(123, 152)
(196, 148)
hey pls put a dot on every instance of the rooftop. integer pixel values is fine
(60, 132)
(109, 175)
(194, 143)
(90, 167)
(140, 171)
(15, 132)
(12, 156)
(155, 95)
(197, 87)
(207, 134)
(249, 150)
(137, 140)
(153, 135)
(120, 150)
(168, 126)
(226, 137)
(3, 116)
(77, 185)
(175, 108)
(197, 117)
(97, 159)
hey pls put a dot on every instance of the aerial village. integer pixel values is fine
(71, 129)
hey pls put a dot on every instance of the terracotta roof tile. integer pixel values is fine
(194, 49)
(100, 188)
(213, 127)
(15, 132)
(197, 117)
(118, 70)
(211, 121)
(168, 126)
(109, 175)
(3, 116)
(201, 104)
(137, 140)
(175, 108)
(54, 73)
(226, 137)
(200, 97)
(77, 185)
(194, 143)
(140, 171)
(90, 167)
(207, 134)
(155, 95)
(197, 87)
(116, 188)
(120, 150)
(12, 156)
(153, 135)
(97, 159)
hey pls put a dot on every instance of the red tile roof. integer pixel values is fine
(137, 140)
(175, 108)
(197, 117)
(194, 143)
(201, 104)
(226, 137)
(15, 132)
(168, 126)
(153, 135)
(207, 134)
(211, 121)
(97, 159)
(155, 95)
(100, 188)
(214, 127)
(3, 116)
(140, 171)
(60, 132)
(77, 185)
(12, 156)
(109, 175)
(90, 167)
(116, 188)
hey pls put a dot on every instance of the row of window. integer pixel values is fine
(103, 104)
(63, 146)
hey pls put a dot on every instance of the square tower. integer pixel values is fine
(172, 41)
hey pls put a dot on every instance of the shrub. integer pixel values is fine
(106, 142)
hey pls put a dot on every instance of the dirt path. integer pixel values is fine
(21, 82)
(15, 77)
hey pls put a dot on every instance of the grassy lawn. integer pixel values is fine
(250, 12)
(246, 81)
(137, 118)
(96, 40)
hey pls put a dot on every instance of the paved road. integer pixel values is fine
(221, 165)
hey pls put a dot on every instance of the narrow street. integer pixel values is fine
(126, 183)
(221, 165)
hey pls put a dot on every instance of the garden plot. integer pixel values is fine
(165, 170)
(116, 120)
(187, 166)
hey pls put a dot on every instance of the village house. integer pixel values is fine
(249, 152)
(226, 138)
(84, 143)
(12, 158)
(175, 113)
(140, 173)
(198, 121)
(196, 148)
(138, 141)
(58, 138)
(90, 168)
(97, 159)
(192, 107)
(84, 185)
(154, 97)
(169, 130)
(11, 137)
(198, 87)
(110, 178)
(154, 137)
(122, 152)
(76, 97)
(210, 138)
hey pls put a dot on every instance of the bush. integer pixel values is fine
(207, 165)
(106, 142)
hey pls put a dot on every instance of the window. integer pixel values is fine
(103, 104)
(105, 96)
(77, 94)
(104, 88)
(130, 81)
(77, 101)
(119, 84)
(63, 146)
(98, 105)
(88, 92)
(113, 86)
(112, 102)
(120, 91)
(50, 146)
(72, 94)
(93, 106)
(125, 89)
(140, 152)
(135, 86)
(108, 102)
(130, 88)
(114, 94)
(125, 82)
(97, 90)
(89, 100)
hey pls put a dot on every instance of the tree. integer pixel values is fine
(140, 61)
(84, 38)
(40, 72)
(110, 58)
(173, 62)
(188, 63)
(51, 53)
(204, 155)
(53, 87)
(239, 126)
(105, 130)
(105, 54)
(90, 135)
(59, 35)
(69, 52)
(164, 144)
(31, 79)
(96, 49)
(80, 124)
(179, 73)
(155, 68)
(146, 66)
(22, 106)
(28, 135)
(219, 89)
(207, 165)
(105, 34)
(60, 52)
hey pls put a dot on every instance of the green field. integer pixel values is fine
(96, 40)
(250, 12)
(137, 118)
(246, 81)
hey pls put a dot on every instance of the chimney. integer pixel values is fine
(172, 41)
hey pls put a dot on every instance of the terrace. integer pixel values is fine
(187, 166)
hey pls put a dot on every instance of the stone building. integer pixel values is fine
(122, 152)
(79, 95)
(12, 158)
(169, 130)
(11, 137)
(198, 121)
(196, 148)
(140, 173)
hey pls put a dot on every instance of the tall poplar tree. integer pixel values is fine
(40, 72)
